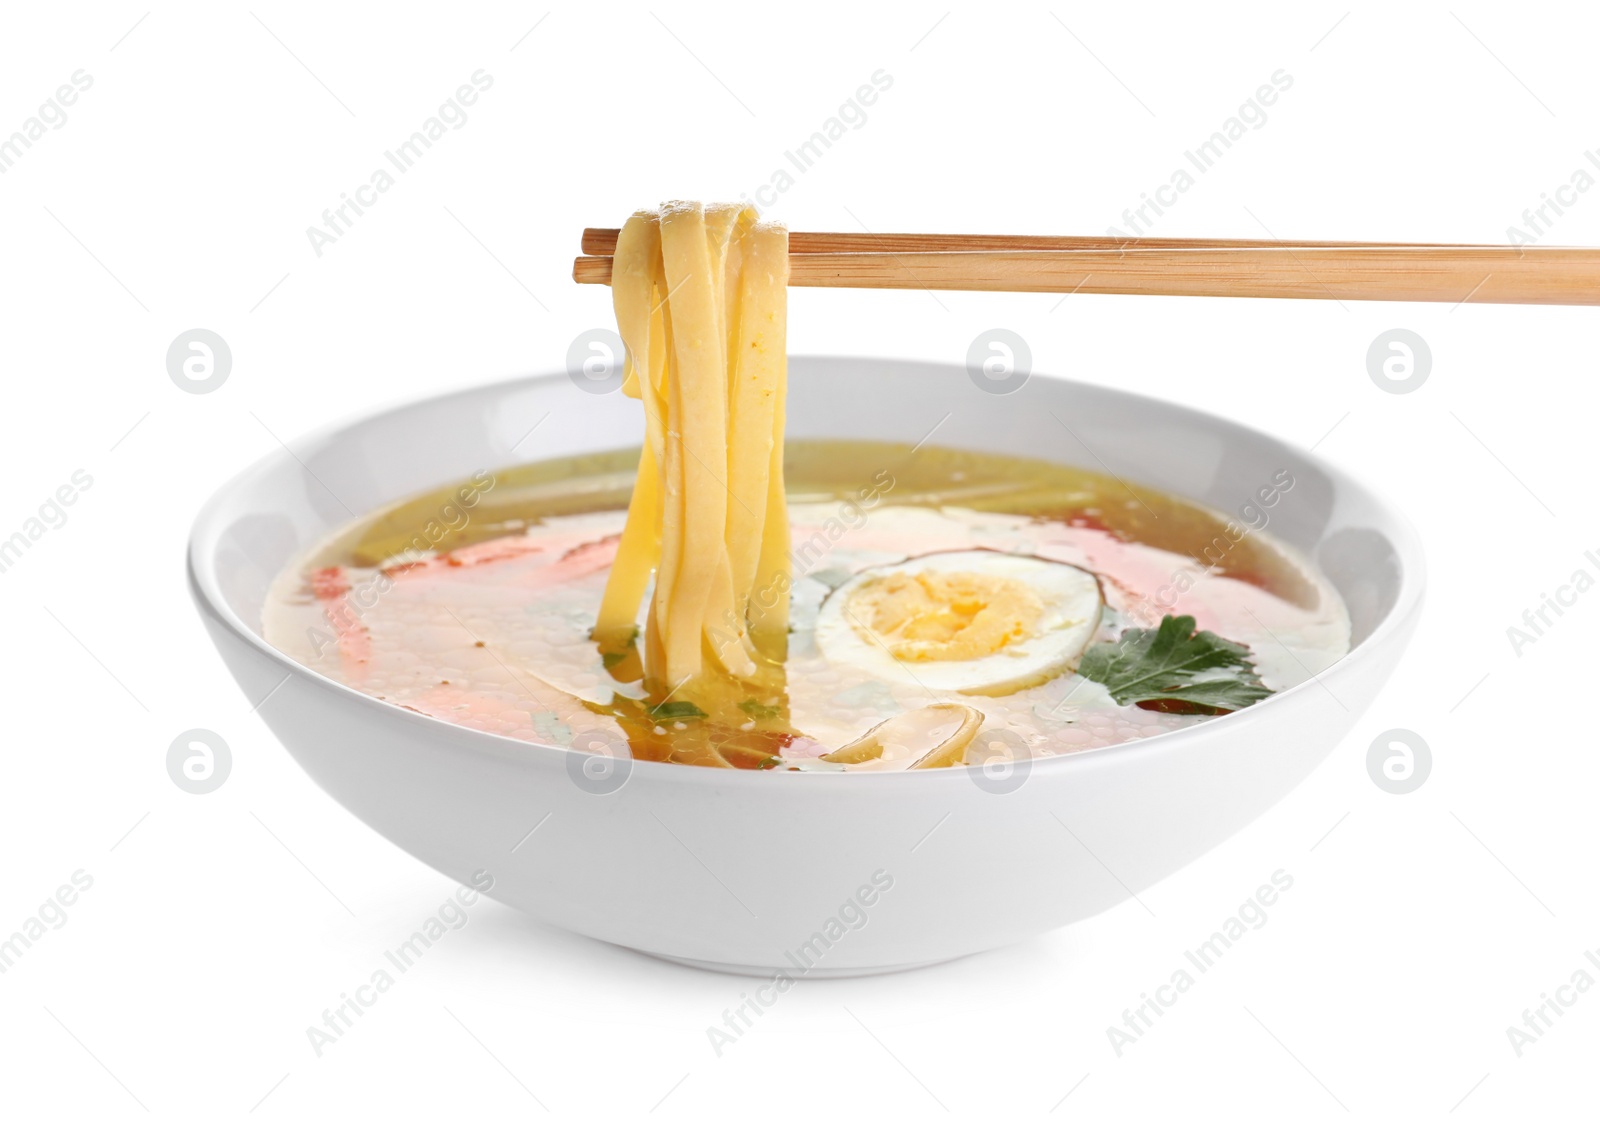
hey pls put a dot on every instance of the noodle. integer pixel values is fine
(700, 295)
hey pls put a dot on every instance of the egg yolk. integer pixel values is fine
(945, 616)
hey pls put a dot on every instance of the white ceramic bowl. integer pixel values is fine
(760, 872)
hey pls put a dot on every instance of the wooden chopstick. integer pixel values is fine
(1317, 271)
(602, 241)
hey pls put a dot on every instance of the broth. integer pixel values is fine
(475, 604)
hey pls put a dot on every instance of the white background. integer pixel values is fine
(177, 195)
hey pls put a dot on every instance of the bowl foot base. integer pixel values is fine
(768, 971)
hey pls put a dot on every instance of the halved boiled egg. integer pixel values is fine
(979, 622)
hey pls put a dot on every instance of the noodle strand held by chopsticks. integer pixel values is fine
(700, 295)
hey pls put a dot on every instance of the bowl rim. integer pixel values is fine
(202, 580)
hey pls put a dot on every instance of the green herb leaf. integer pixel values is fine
(679, 709)
(612, 659)
(1185, 671)
(757, 709)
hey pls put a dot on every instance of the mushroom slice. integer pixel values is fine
(935, 736)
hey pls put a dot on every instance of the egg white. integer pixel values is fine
(1072, 605)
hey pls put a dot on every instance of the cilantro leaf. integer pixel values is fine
(756, 709)
(1176, 668)
(679, 709)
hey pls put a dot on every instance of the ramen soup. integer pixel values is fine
(943, 607)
